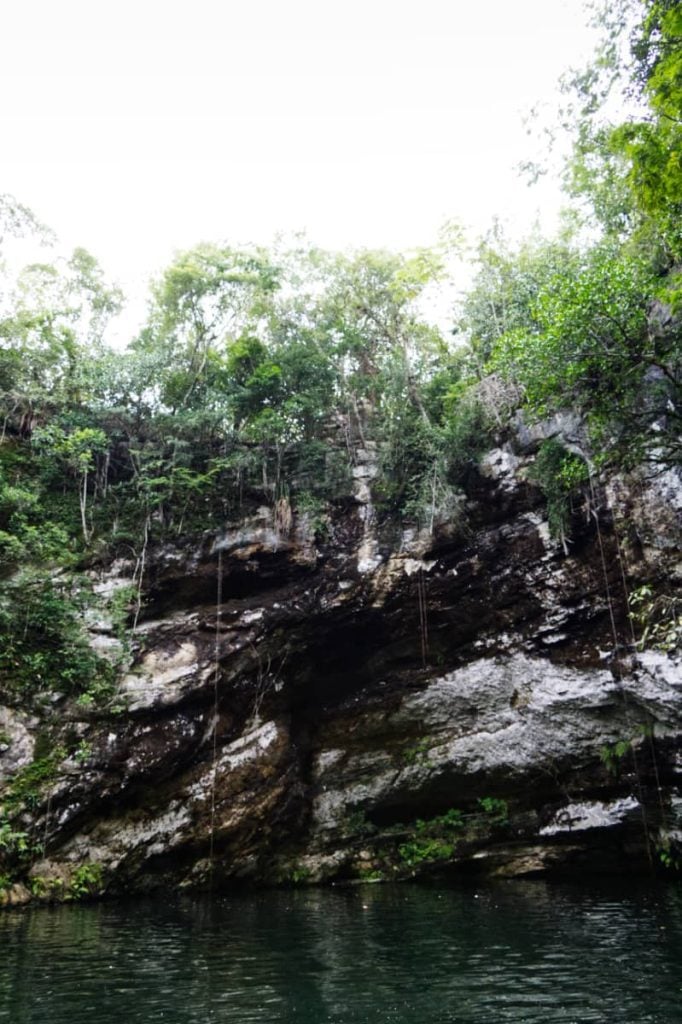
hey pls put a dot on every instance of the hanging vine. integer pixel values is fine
(216, 677)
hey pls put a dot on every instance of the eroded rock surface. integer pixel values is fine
(376, 703)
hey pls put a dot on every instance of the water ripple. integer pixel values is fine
(530, 953)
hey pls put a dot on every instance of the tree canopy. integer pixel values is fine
(259, 371)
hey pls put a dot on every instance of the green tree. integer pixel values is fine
(208, 297)
(505, 287)
(630, 171)
(77, 451)
(51, 334)
(589, 346)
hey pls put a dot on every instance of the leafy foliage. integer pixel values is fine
(496, 808)
(630, 172)
(433, 839)
(260, 374)
(659, 617)
(611, 755)
(588, 346)
(559, 473)
(43, 645)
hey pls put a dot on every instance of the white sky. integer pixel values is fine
(141, 126)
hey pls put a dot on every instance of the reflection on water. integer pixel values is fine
(514, 951)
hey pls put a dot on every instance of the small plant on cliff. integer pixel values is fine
(29, 782)
(659, 617)
(667, 854)
(86, 882)
(612, 755)
(425, 851)
(370, 874)
(83, 752)
(121, 608)
(559, 474)
(447, 822)
(356, 824)
(13, 843)
(418, 753)
(432, 839)
(314, 510)
(495, 808)
(49, 889)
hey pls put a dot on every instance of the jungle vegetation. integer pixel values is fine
(259, 371)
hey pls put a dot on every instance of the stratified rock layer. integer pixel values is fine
(381, 703)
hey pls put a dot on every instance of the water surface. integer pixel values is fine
(527, 952)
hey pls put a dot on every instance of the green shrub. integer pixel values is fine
(43, 644)
(29, 782)
(612, 755)
(659, 617)
(496, 808)
(86, 882)
(452, 819)
(13, 843)
(424, 851)
(559, 474)
(432, 839)
(418, 753)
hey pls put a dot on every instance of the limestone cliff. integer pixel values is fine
(345, 699)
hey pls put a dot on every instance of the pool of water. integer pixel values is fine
(403, 954)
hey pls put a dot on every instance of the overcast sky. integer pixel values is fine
(141, 126)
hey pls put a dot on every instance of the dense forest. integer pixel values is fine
(257, 369)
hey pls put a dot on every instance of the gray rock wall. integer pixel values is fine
(382, 704)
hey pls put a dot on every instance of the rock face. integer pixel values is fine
(366, 702)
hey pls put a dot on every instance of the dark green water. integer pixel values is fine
(523, 952)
